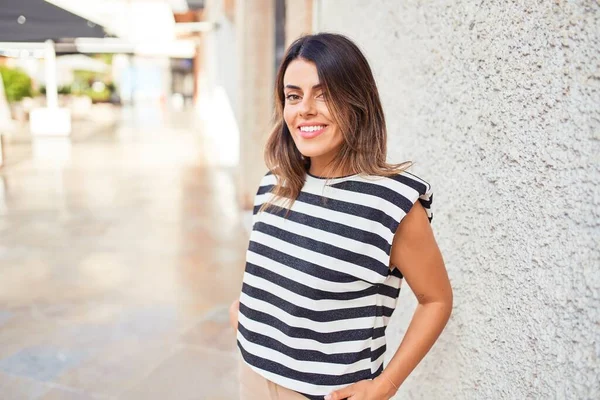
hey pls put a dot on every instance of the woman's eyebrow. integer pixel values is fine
(317, 86)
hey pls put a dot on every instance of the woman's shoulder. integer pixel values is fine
(410, 179)
(399, 180)
(268, 178)
(416, 190)
(402, 189)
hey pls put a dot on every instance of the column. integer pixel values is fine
(255, 37)
(298, 19)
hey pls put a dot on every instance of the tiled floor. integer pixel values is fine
(119, 256)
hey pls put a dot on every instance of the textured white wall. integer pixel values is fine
(498, 104)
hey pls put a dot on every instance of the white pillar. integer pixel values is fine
(50, 63)
(50, 120)
(298, 19)
(255, 26)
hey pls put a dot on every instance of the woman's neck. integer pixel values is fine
(321, 170)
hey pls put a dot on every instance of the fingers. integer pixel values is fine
(341, 393)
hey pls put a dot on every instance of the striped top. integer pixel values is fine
(317, 291)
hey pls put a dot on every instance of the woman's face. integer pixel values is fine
(306, 114)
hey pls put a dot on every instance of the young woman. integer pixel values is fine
(336, 229)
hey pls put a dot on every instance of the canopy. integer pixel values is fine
(37, 21)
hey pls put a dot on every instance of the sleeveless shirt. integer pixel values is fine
(317, 291)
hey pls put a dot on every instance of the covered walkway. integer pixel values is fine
(119, 255)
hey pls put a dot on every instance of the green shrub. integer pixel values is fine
(66, 89)
(101, 96)
(17, 84)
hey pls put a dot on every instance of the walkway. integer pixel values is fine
(119, 255)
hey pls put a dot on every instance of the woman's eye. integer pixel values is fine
(292, 97)
(321, 96)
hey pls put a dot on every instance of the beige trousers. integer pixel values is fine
(254, 386)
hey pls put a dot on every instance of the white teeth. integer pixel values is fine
(311, 128)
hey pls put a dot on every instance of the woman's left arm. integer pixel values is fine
(416, 253)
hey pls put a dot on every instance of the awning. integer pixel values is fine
(195, 4)
(37, 21)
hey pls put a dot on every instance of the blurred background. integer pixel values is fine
(131, 149)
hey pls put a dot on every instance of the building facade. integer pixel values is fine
(497, 105)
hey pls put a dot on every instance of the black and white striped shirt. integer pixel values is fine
(317, 290)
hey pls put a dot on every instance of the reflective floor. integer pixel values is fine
(119, 256)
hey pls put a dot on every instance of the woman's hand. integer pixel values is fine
(376, 389)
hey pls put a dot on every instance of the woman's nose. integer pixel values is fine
(307, 107)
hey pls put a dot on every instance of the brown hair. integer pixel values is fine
(353, 100)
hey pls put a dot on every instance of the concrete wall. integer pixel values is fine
(497, 103)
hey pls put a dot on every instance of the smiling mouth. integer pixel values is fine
(309, 132)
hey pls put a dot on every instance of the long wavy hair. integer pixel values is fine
(352, 98)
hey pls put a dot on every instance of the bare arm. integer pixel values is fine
(233, 314)
(416, 253)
